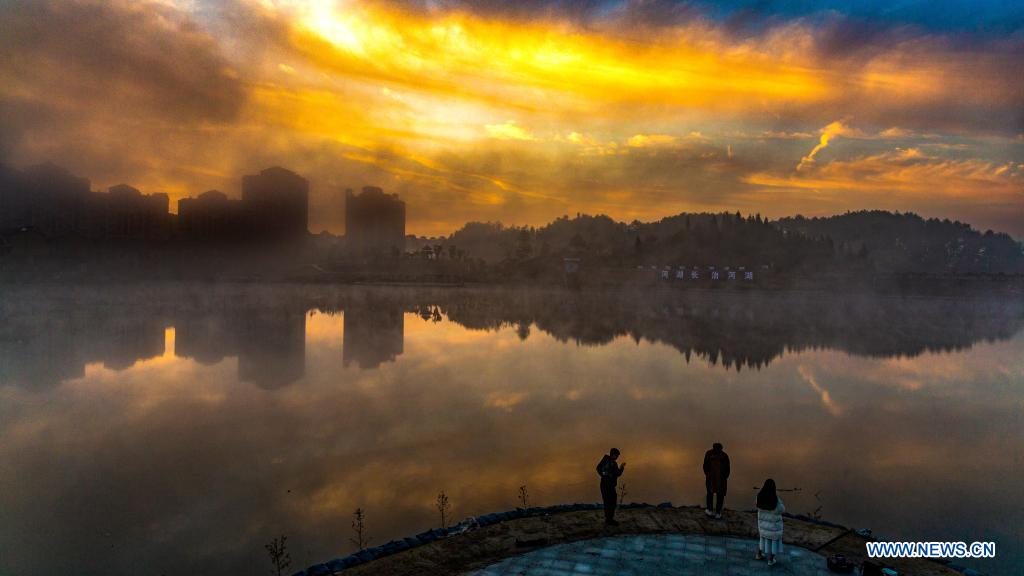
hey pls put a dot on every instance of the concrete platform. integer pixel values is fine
(665, 554)
(726, 545)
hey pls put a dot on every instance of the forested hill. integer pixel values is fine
(906, 242)
(873, 240)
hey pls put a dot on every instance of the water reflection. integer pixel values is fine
(374, 332)
(180, 428)
(44, 341)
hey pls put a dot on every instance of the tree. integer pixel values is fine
(279, 556)
(524, 246)
(359, 528)
(524, 496)
(444, 508)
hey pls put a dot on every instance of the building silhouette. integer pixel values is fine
(211, 216)
(276, 202)
(374, 222)
(51, 202)
(46, 198)
(57, 204)
(124, 213)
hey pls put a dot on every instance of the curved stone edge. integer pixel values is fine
(482, 540)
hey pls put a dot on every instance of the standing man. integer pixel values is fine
(609, 472)
(716, 476)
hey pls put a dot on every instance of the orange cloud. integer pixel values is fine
(908, 171)
(508, 131)
(837, 128)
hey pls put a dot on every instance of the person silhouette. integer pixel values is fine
(609, 472)
(769, 522)
(716, 477)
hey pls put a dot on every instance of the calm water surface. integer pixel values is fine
(177, 429)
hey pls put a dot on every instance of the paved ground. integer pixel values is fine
(664, 529)
(669, 554)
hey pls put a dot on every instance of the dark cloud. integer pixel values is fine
(576, 10)
(843, 37)
(125, 60)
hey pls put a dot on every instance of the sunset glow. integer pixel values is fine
(478, 111)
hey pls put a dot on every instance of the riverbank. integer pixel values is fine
(491, 538)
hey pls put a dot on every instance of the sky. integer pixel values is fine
(521, 112)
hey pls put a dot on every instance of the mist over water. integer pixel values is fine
(176, 429)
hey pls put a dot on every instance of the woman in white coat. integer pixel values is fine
(769, 522)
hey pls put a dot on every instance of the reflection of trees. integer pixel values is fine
(747, 330)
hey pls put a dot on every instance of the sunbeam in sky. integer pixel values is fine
(521, 112)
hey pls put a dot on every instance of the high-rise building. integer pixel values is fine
(374, 222)
(211, 216)
(45, 197)
(277, 203)
(125, 213)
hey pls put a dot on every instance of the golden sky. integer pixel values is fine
(524, 112)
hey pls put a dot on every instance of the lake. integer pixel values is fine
(176, 429)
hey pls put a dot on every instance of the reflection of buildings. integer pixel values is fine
(374, 334)
(272, 351)
(48, 338)
(42, 348)
(270, 343)
(374, 221)
(205, 338)
(46, 349)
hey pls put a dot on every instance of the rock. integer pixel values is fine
(364, 556)
(318, 570)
